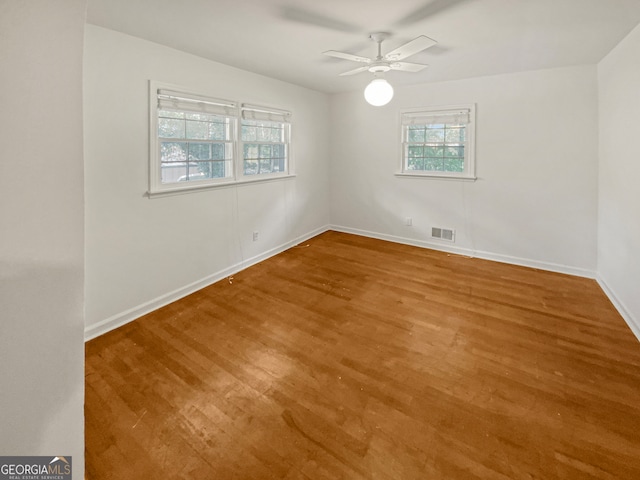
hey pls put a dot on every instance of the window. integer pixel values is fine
(195, 138)
(265, 141)
(194, 141)
(438, 142)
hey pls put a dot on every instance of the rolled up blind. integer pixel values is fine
(255, 112)
(171, 100)
(458, 117)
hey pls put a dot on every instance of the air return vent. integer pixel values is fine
(443, 234)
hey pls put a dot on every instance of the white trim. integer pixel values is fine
(131, 314)
(122, 318)
(625, 313)
(155, 168)
(234, 110)
(240, 175)
(496, 257)
(433, 175)
(469, 172)
(198, 187)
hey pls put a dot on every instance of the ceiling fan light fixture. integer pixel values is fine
(379, 92)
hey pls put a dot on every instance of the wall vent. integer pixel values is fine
(443, 234)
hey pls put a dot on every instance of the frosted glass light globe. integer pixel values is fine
(379, 92)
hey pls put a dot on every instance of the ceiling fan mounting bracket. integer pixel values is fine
(379, 37)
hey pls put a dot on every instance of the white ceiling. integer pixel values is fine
(285, 39)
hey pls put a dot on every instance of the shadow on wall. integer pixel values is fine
(42, 368)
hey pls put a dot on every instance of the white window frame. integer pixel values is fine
(272, 115)
(160, 94)
(440, 115)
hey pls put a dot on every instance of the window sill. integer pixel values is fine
(436, 176)
(212, 186)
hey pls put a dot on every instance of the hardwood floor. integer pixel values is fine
(353, 358)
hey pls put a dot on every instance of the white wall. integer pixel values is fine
(535, 200)
(619, 200)
(140, 252)
(41, 221)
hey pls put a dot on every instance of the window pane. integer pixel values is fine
(170, 128)
(250, 151)
(170, 114)
(415, 152)
(173, 152)
(221, 169)
(434, 151)
(415, 164)
(278, 151)
(266, 166)
(454, 165)
(197, 130)
(218, 131)
(249, 133)
(264, 134)
(277, 134)
(416, 134)
(265, 151)
(200, 151)
(250, 167)
(210, 170)
(433, 164)
(218, 151)
(434, 134)
(172, 172)
(454, 135)
(454, 152)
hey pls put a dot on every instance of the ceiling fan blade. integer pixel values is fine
(300, 15)
(411, 48)
(429, 9)
(408, 67)
(347, 56)
(354, 71)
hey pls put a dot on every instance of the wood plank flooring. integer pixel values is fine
(353, 358)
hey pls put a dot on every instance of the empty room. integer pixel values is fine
(298, 240)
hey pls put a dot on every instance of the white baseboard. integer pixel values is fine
(496, 257)
(115, 321)
(633, 323)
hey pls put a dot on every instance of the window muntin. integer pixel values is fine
(265, 141)
(194, 146)
(264, 148)
(438, 142)
(198, 141)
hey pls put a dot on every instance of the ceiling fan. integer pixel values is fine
(389, 61)
(379, 92)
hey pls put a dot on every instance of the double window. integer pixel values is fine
(438, 142)
(195, 141)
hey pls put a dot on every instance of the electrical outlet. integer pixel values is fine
(408, 221)
(255, 236)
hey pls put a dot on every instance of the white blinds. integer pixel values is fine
(174, 100)
(254, 112)
(171, 100)
(456, 117)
